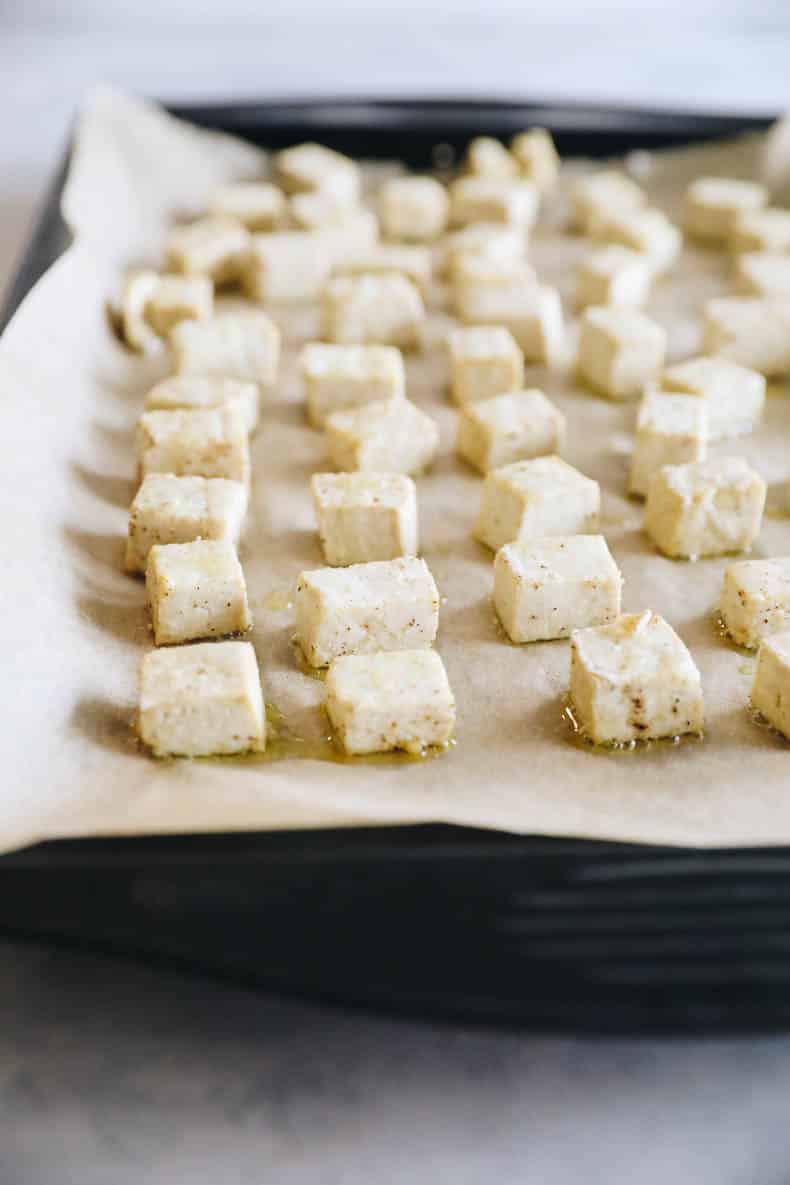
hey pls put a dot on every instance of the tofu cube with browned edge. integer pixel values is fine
(516, 426)
(614, 275)
(755, 600)
(214, 247)
(620, 351)
(492, 199)
(338, 378)
(633, 680)
(771, 687)
(381, 702)
(365, 516)
(196, 590)
(537, 158)
(309, 167)
(752, 331)
(393, 436)
(385, 605)
(602, 194)
(531, 312)
(647, 231)
(413, 208)
(384, 309)
(670, 430)
(734, 395)
(212, 442)
(194, 392)
(534, 499)
(258, 205)
(706, 508)
(244, 345)
(153, 304)
(712, 205)
(202, 701)
(487, 157)
(761, 230)
(546, 588)
(287, 267)
(484, 361)
(169, 509)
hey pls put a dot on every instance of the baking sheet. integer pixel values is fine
(74, 625)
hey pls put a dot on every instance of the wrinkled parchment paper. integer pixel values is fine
(74, 625)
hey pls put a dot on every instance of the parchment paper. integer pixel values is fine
(74, 626)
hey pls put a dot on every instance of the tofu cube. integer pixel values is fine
(243, 345)
(365, 516)
(258, 205)
(393, 436)
(169, 509)
(531, 312)
(192, 391)
(213, 247)
(537, 158)
(354, 230)
(382, 309)
(535, 499)
(211, 442)
(483, 362)
(488, 240)
(755, 600)
(388, 605)
(337, 378)
(620, 351)
(752, 331)
(488, 199)
(287, 267)
(308, 167)
(487, 157)
(380, 702)
(634, 680)
(734, 395)
(647, 231)
(670, 430)
(196, 590)
(763, 273)
(602, 194)
(614, 275)
(712, 205)
(138, 289)
(318, 209)
(413, 208)
(706, 508)
(516, 426)
(202, 701)
(410, 261)
(546, 588)
(476, 269)
(761, 230)
(152, 304)
(771, 687)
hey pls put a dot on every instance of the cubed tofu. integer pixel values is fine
(365, 516)
(487, 157)
(387, 605)
(752, 331)
(537, 158)
(337, 378)
(535, 499)
(244, 345)
(712, 205)
(488, 199)
(213, 247)
(755, 600)
(602, 194)
(414, 262)
(382, 309)
(484, 361)
(380, 702)
(614, 275)
(139, 287)
(516, 426)
(194, 392)
(771, 687)
(318, 209)
(670, 430)
(153, 303)
(413, 208)
(391, 436)
(211, 442)
(761, 230)
(196, 590)
(308, 167)
(647, 231)
(489, 240)
(287, 267)
(634, 680)
(546, 588)
(169, 509)
(356, 229)
(202, 701)
(706, 508)
(735, 395)
(258, 205)
(531, 312)
(476, 269)
(620, 351)
(764, 273)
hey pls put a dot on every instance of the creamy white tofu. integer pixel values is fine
(620, 351)
(355, 229)
(365, 516)
(258, 205)
(602, 194)
(193, 391)
(634, 680)
(761, 230)
(484, 361)
(515, 426)
(487, 157)
(647, 231)
(535, 499)
(384, 309)
(202, 701)
(755, 600)
(244, 345)
(152, 304)
(318, 209)
(211, 442)
(139, 287)
(488, 240)
(411, 261)
(771, 687)
(380, 702)
(169, 509)
(196, 590)
(546, 588)
(337, 378)
(413, 208)
(734, 395)
(614, 275)
(308, 167)
(713, 203)
(287, 267)
(476, 269)
(753, 331)
(391, 436)
(706, 508)
(670, 430)
(764, 273)
(386, 605)
(213, 247)
(531, 312)
(488, 199)
(537, 158)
